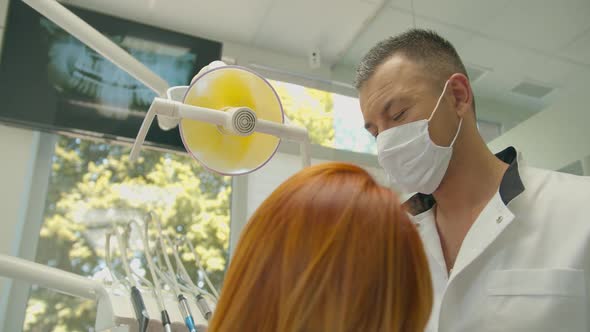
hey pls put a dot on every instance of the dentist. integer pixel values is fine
(508, 245)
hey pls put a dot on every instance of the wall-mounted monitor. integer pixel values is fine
(51, 81)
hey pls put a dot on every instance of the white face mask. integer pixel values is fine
(412, 160)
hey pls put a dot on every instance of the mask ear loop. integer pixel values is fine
(439, 100)
(458, 131)
(436, 108)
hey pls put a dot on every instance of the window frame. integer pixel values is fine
(26, 244)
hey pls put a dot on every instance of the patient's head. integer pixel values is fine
(329, 250)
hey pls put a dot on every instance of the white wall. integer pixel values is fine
(3, 13)
(555, 137)
(18, 149)
(247, 56)
(288, 68)
(507, 115)
(586, 165)
(343, 73)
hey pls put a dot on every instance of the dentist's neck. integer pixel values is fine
(472, 179)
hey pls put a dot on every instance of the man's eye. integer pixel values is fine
(399, 115)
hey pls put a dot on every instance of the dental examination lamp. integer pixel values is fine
(230, 120)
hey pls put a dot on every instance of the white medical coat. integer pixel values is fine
(524, 266)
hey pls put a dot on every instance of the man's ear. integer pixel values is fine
(461, 91)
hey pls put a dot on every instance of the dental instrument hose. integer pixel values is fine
(157, 287)
(139, 307)
(182, 302)
(200, 299)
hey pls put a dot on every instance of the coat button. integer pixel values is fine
(499, 220)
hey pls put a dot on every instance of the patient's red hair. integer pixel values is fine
(328, 250)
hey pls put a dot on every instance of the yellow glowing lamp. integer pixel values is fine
(230, 118)
(238, 149)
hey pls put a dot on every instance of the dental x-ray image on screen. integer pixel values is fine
(84, 77)
(61, 84)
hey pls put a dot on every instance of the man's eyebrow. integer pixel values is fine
(388, 104)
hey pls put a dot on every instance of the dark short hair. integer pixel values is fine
(423, 46)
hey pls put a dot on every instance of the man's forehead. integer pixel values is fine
(396, 69)
(396, 74)
(398, 64)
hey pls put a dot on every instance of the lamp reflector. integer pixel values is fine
(215, 147)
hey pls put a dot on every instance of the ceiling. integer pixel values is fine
(541, 42)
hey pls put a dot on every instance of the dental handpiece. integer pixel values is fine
(166, 321)
(203, 307)
(186, 313)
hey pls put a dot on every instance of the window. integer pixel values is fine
(349, 126)
(332, 120)
(93, 185)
